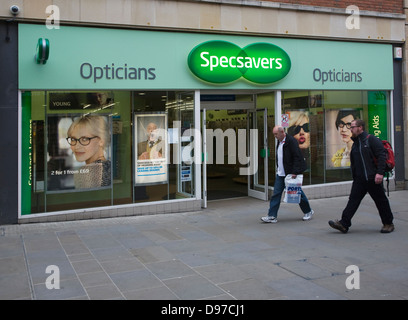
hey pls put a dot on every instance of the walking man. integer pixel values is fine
(367, 177)
(289, 160)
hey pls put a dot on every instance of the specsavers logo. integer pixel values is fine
(223, 62)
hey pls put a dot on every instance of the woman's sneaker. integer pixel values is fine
(269, 219)
(308, 216)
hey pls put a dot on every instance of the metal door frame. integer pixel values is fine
(253, 145)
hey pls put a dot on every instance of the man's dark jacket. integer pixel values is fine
(365, 148)
(293, 161)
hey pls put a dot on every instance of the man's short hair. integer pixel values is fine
(359, 123)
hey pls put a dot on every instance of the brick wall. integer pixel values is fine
(391, 6)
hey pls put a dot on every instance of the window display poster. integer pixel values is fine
(79, 152)
(298, 126)
(150, 148)
(338, 136)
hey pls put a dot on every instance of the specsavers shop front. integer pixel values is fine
(117, 122)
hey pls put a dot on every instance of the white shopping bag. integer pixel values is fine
(293, 188)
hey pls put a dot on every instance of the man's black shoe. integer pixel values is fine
(387, 228)
(337, 225)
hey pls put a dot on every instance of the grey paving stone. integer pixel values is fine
(135, 280)
(73, 248)
(222, 272)
(121, 265)
(12, 264)
(297, 288)
(86, 266)
(152, 254)
(15, 286)
(305, 269)
(111, 253)
(69, 289)
(156, 293)
(94, 279)
(193, 287)
(170, 269)
(250, 289)
(104, 292)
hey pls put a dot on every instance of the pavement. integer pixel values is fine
(223, 252)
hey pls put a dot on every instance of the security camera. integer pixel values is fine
(14, 10)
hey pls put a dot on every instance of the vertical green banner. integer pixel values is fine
(26, 154)
(377, 114)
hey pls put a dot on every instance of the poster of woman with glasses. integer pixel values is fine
(79, 152)
(338, 137)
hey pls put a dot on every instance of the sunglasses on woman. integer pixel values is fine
(294, 130)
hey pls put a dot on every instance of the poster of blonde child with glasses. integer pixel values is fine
(89, 138)
(338, 137)
(79, 152)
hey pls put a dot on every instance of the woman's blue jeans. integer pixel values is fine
(278, 189)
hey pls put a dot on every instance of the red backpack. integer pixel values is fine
(389, 161)
(390, 158)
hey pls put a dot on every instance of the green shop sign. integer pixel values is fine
(159, 60)
(222, 62)
(377, 114)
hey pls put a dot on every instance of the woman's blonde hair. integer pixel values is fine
(297, 117)
(97, 125)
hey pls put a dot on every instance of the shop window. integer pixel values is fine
(303, 111)
(320, 121)
(163, 131)
(84, 149)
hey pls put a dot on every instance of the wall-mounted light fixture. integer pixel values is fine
(43, 51)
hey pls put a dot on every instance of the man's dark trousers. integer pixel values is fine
(358, 190)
